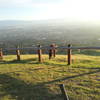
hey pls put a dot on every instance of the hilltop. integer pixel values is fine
(29, 80)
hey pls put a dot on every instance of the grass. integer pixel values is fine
(29, 80)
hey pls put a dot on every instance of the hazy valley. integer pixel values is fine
(29, 33)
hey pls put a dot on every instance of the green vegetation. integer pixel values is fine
(29, 80)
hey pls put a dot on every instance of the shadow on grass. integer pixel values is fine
(21, 61)
(32, 61)
(71, 77)
(20, 90)
(54, 64)
(29, 70)
(87, 67)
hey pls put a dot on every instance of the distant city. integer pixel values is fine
(28, 33)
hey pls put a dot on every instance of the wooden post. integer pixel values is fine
(54, 50)
(1, 54)
(50, 52)
(39, 54)
(64, 93)
(18, 54)
(69, 55)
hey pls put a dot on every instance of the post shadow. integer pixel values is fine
(20, 90)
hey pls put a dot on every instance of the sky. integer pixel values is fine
(81, 10)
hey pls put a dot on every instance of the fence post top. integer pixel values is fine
(53, 45)
(39, 45)
(69, 45)
(61, 85)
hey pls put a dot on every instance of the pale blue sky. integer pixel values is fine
(49, 9)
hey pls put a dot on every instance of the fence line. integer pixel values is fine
(52, 51)
(36, 48)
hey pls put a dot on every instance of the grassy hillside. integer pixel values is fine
(30, 80)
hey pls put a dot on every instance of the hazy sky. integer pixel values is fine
(83, 10)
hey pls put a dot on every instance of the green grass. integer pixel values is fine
(29, 80)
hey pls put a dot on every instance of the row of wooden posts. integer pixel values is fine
(52, 53)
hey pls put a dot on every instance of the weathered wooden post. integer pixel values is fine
(51, 51)
(18, 54)
(1, 54)
(39, 53)
(64, 92)
(54, 50)
(69, 55)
